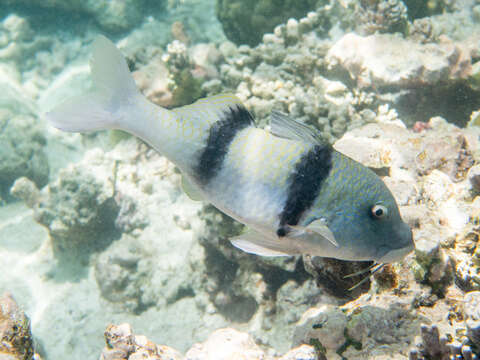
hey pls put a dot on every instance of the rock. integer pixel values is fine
(226, 344)
(122, 344)
(303, 352)
(16, 340)
(474, 117)
(474, 178)
(322, 327)
(433, 266)
(378, 330)
(472, 314)
(376, 61)
(329, 274)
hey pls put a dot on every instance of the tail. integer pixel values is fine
(109, 103)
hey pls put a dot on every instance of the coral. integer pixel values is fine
(122, 272)
(22, 153)
(245, 22)
(472, 315)
(16, 340)
(432, 265)
(423, 8)
(381, 16)
(79, 213)
(434, 346)
(185, 87)
(122, 344)
(25, 189)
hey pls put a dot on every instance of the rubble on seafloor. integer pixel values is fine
(119, 229)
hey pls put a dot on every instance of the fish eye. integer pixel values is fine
(379, 211)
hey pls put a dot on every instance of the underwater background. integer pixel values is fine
(102, 255)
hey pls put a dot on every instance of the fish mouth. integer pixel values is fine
(396, 255)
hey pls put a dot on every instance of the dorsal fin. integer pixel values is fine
(285, 127)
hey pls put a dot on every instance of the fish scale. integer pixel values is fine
(296, 194)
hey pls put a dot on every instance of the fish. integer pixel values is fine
(295, 193)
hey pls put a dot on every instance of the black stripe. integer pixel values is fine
(220, 136)
(304, 184)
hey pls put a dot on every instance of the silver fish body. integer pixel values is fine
(295, 193)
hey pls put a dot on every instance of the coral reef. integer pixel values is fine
(131, 247)
(245, 22)
(329, 83)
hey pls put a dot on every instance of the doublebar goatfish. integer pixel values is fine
(296, 193)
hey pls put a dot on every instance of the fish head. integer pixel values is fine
(366, 222)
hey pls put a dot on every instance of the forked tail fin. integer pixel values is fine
(109, 104)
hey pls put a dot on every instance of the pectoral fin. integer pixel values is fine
(318, 227)
(254, 242)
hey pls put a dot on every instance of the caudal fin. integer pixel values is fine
(109, 101)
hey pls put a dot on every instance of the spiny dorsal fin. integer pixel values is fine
(285, 127)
